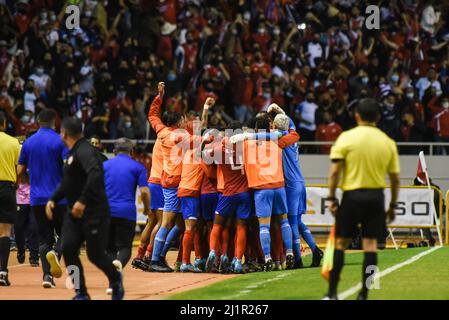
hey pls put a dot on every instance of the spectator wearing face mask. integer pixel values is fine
(358, 83)
(390, 116)
(41, 80)
(121, 103)
(327, 131)
(412, 105)
(262, 37)
(260, 69)
(441, 123)
(262, 101)
(125, 127)
(23, 125)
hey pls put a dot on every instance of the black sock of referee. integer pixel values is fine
(5, 247)
(370, 259)
(339, 259)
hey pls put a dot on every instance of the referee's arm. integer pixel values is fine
(394, 186)
(333, 180)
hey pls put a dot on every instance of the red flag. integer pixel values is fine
(422, 169)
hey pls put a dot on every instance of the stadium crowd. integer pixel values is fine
(314, 58)
(277, 67)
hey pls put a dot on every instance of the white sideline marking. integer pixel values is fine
(250, 287)
(346, 294)
(19, 266)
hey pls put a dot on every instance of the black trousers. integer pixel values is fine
(8, 211)
(49, 232)
(93, 230)
(121, 236)
(26, 231)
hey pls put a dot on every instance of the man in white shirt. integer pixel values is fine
(29, 98)
(305, 114)
(425, 82)
(315, 50)
(40, 79)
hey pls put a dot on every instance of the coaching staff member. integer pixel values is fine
(9, 157)
(364, 156)
(43, 154)
(123, 176)
(88, 216)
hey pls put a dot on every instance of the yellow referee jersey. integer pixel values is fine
(9, 157)
(368, 155)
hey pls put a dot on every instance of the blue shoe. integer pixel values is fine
(238, 267)
(187, 268)
(210, 262)
(81, 296)
(118, 291)
(231, 267)
(199, 265)
(224, 264)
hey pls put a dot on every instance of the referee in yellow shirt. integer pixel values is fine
(363, 156)
(9, 157)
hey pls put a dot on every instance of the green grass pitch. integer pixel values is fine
(426, 278)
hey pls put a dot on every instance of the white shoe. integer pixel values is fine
(118, 265)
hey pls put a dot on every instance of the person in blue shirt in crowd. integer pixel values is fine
(123, 176)
(43, 154)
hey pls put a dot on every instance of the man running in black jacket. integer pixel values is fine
(88, 216)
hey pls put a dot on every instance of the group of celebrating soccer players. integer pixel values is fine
(235, 197)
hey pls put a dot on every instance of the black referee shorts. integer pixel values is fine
(365, 207)
(8, 205)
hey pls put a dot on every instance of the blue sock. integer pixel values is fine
(307, 235)
(171, 238)
(159, 242)
(286, 235)
(296, 242)
(265, 240)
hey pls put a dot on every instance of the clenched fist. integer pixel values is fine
(209, 103)
(161, 89)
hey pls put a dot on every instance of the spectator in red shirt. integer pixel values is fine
(121, 103)
(261, 102)
(327, 131)
(411, 131)
(205, 91)
(243, 109)
(260, 68)
(24, 125)
(164, 48)
(140, 155)
(262, 37)
(441, 124)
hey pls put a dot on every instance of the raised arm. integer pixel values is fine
(153, 113)
(205, 115)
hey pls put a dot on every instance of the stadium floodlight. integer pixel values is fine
(301, 26)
